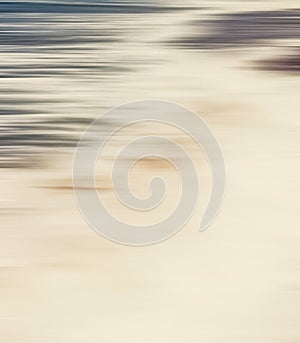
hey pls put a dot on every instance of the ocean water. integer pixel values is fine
(62, 63)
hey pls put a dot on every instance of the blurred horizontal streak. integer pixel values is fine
(243, 29)
(37, 33)
(81, 8)
(51, 70)
(288, 63)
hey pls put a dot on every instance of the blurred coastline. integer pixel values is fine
(237, 65)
